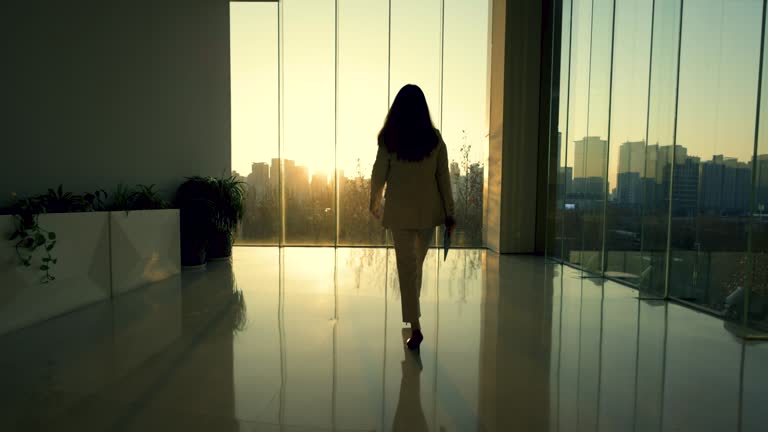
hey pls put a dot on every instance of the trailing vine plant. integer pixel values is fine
(30, 237)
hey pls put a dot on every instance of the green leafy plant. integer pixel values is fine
(58, 201)
(140, 197)
(228, 196)
(147, 198)
(214, 207)
(121, 198)
(30, 237)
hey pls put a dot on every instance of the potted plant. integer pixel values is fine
(228, 199)
(193, 199)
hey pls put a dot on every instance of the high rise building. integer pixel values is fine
(631, 168)
(258, 179)
(320, 188)
(565, 179)
(685, 187)
(658, 158)
(589, 168)
(761, 183)
(629, 189)
(726, 186)
(274, 173)
(632, 157)
(590, 158)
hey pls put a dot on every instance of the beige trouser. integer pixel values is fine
(410, 250)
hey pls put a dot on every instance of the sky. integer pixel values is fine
(321, 131)
(719, 62)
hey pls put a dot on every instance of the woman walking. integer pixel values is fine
(412, 162)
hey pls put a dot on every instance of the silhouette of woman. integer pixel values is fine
(412, 162)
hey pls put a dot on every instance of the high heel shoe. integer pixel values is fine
(415, 340)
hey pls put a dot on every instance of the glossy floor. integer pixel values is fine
(310, 339)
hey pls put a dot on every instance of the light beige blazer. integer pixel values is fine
(418, 193)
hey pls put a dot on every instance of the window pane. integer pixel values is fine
(712, 176)
(363, 104)
(629, 110)
(562, 176)
(590, 163)
(658, 154)
(758, 299)
(415, 50)
(255, 144)
(578, 142)
(309, 82)
(465, 122)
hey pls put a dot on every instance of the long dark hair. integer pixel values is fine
(408, 131)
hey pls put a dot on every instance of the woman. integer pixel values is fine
(412, 161)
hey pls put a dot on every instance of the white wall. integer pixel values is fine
(100, 92)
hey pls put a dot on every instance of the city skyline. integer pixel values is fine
(293, 206)
(720, 184)
(292, 101)
(595, 164)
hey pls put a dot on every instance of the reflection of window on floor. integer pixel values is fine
(331, 304)
(306, 109)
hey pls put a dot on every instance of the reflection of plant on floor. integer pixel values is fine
(465, 266)
(239, 311)
(366, 260)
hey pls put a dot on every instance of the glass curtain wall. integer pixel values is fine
(312, 82)
(254, 75)
(662, 155)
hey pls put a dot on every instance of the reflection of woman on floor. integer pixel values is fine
(412, 161)
(409, 415)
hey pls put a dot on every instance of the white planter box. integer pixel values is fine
(144, 248)
(82, 272)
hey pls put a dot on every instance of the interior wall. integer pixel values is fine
(101, 92)
(514, 162)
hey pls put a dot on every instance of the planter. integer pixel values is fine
(219, 247)
(144, 248)
(82, 271)
(192, 253)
